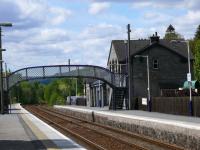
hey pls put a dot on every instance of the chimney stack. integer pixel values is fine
(154, 38)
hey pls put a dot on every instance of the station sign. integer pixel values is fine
(144, 101)
(189, 77)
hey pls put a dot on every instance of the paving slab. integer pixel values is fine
(15, 135)
(175, 129)
(178, 120)
(21, 130)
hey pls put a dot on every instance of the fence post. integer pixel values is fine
(26, 74)
(77, 70)
(60, 71)
(94, 71)
(43, 69)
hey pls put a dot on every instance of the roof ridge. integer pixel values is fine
(138, 45)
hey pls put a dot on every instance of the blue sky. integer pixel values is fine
(47, 32)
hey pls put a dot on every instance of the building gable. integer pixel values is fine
(178, 52)
(112, 55)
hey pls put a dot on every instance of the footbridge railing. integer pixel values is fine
(61, 71)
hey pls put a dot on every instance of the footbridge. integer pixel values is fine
(117, 82)
(63, 71)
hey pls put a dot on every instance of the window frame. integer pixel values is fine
(155, 63)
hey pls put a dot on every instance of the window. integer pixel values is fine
(110, 65)
(116, 69)
(183, 60)
(155, 64)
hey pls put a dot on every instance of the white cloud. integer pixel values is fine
(93, 42)
(102, 30)
(98, 7)
(32, 13)
(141, 4)
(192, 17)
(39, 38)
(192, 4)
(181, 4)
(53, 46)
(59, 15)
(157, 18)
(157, 4)
(187, 23)
(47, 35)
(31, 8)
(34, 38)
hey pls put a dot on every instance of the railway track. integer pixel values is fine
(98, 136)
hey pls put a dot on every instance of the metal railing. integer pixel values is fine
(61, 71)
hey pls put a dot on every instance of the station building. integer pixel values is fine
(168, 68)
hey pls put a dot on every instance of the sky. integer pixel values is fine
(49, 32)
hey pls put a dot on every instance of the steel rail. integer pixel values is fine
(144, 138)
(99, 132)
(90, 143)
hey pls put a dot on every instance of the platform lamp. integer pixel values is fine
(188, 74)
(5, 24)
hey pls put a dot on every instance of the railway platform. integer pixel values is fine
(21, 130)
(183, 131)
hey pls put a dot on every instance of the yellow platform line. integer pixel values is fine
(50, 145)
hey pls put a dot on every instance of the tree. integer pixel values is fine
(80, 86)
(171, 34)
(55, 92)
(14, 93)
(39, 92)
(197, 60)
(27, 93)
(47, 93)
(53, 98)
(192, 46)
(197, 34)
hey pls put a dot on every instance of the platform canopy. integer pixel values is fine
(195, 84)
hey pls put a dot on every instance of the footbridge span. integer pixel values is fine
(63, 71)
(117, 82)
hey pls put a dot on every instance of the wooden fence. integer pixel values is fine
(171, 105)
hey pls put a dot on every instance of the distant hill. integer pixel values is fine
(42, 81)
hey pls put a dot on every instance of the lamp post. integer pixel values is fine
(129, 68)
(1, 66)
(126, 51)
(69, 63)
(148, 81)
(189, 79)
(188, 75)
(6, 78)
(126, 71)
(1, 82)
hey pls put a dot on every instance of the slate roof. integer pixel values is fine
(141, 45)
